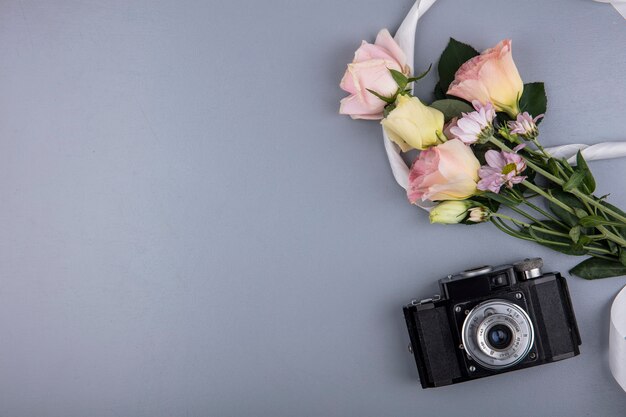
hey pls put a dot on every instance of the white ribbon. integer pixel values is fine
(405, 36)
(617, 339)
(620, 5)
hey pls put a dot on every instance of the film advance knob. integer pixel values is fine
(529, 268)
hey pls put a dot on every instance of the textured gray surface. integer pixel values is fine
(188, 228)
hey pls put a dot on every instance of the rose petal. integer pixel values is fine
(385, 40)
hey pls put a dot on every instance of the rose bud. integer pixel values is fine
(444, 172)
(479, 214)
(450, 212)
(490, 77)
(413, 125)
(370, 70)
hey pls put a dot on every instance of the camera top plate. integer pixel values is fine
(477, 282)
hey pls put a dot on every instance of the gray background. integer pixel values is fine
(188, 227)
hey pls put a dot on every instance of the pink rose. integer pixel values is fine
(490, 77)
(370, 70)
(444, 172)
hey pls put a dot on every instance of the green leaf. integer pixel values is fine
(422, 75)
(574, 233)
(388, 109)
(622, 256)
(502, 199)
(388, 100)
(566, 165)
(574, 181)
(451, 108)
(570, 201)
(588, 181)
(439, 93)
(455, 55)
(580, 212)
(553, 167)
(582, 241)
(593, 221)
(565, 245)
(399, 78)
(595, 268)
(534, 99)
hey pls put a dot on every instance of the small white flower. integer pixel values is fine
(478, 214)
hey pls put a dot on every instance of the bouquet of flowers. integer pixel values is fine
(480, 158)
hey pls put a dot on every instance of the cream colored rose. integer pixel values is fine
(413, 125)
(450, 212)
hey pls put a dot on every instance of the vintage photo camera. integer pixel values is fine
(491, 320)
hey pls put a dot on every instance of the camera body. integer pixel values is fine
(491, 320)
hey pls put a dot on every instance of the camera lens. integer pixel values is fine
(499, 336)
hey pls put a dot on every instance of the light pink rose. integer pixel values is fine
(370, 70)
(490, 77)
(444, 172)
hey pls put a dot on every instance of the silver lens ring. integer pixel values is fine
(500, 314)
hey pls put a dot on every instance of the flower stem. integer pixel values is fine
(599, 250)
(503, 227)
(608, 258)
(539, 210)
(531, 226)
(607, 234)
(545, 213)
(592, 250)
(528, 216)
(547, 196)
(531, 164)
(612, 236)
(612, 227)
(584, 197)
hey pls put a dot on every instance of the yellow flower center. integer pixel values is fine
(508, 168)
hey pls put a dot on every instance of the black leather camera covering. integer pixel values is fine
(436, 348)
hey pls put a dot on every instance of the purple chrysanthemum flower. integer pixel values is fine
(503, 168)
(525, 125)
(475, 126)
